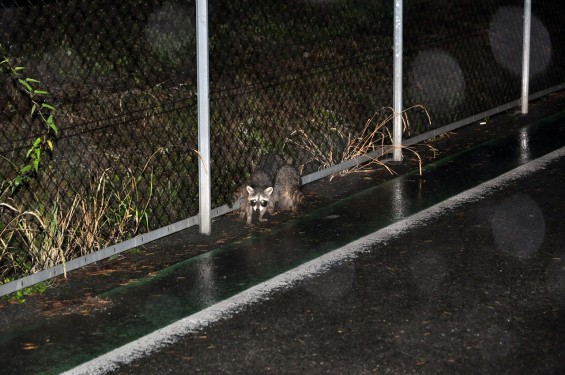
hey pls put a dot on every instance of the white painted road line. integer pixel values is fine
(223, 310)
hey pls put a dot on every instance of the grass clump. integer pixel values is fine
(337, 141)
(111, 210)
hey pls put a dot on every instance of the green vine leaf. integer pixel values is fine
(42, 112)
(26, 169)
(52, 125)
(26, 85)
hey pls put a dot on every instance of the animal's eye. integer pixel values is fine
(264, 203)
(253, 202)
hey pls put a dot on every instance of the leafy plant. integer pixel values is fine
(21, 295)
(41, 110)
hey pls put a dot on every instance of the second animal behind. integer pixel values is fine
(273, 185)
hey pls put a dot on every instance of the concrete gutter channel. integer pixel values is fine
(63, 342)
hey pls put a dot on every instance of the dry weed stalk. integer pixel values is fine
(44, 236)
(312, 148)
(110, 209)
(37, 239)
(25, 226)
(378, 139)
(375, 137)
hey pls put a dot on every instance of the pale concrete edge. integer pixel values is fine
(224, 309)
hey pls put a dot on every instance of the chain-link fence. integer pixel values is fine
(463, 58)
(124, 161)
(299, 77)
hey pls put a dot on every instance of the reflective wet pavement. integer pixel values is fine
(140, 308)
(478, 290)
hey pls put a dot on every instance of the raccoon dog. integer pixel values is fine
(270, 164)
(286, 194)
(258, 197)
(258, 192)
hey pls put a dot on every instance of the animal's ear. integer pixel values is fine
(250, 190)
(269, 190)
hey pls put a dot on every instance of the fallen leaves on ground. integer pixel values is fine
(85, 306)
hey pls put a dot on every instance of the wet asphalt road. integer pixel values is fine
(477, 289)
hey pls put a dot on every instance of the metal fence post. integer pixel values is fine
(397, 82)
(203, 116)
(526, 55)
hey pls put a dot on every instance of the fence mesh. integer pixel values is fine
(299, 77)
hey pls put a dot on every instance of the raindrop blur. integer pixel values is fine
(437, 81)
(518, 226)
(162, 309)
(170, 29)
(334, 285)
(61, 65)
(428, 270)
(506, 41)
(498, 343)
(555, 279)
